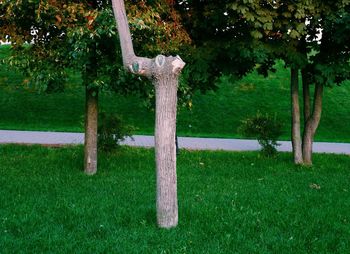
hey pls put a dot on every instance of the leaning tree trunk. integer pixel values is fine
(163, 72)
(90, 142)
(312, 124)
(296, 136)
(307, 116)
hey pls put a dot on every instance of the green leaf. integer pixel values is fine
(249, 16)
(256, 34)
(300, 27)
(268, 26)
(294, 34)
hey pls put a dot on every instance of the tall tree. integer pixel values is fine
(163, 72)
(315, 55)
(328, 63)
(82, 35)
(49, 36)
(236, 35)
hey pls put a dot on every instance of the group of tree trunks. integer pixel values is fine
(302, 145)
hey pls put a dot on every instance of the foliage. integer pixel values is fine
(156, 27)
(50, 36)
(236, 35)
(37, 31)
(47, 76)
(331, 64)
(266, 129)
(222, 41)
(310, 35)
(111, 131)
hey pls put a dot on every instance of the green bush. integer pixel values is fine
(266, 129)
(111, 131)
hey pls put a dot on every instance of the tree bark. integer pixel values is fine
(164, 72)
(312, 124)
(91, 116)
(306, 97)
(307, 115)
(165, 131)
(296, 136)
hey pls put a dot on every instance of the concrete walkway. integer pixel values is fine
(66, 138)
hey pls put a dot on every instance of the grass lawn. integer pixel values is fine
(228, 203)
(213, 115)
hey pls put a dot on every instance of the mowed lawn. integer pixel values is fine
(228, 203)
(215, 114)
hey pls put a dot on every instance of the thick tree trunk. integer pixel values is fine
(296, 136)
(165, 131)
(91, 116)
(311, 125)
(164, 72)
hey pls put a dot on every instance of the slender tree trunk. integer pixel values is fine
(296, 136)
(91, 116)
(165, 130)
(306, 97)
(307, 141)
(164, 72)
(312, 124)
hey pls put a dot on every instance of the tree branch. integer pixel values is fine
(123, 29)
(139, 65)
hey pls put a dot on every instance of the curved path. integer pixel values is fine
(68, 138)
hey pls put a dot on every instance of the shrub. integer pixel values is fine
(111, 131)
(266, 129)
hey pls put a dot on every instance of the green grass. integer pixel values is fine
(213, 115)
(228, 203)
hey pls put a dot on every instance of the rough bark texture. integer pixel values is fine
(164, 72)
(165, 129)
(311, 125)
(296, 136)
(91, 116)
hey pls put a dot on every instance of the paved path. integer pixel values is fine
(66, 138)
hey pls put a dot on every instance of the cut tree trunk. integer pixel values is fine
(91, 116)
(163, 72)
(165, 131)
(311, 125)
(296, 136)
